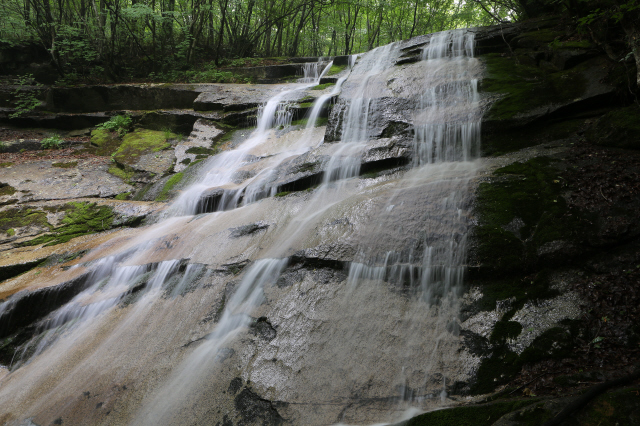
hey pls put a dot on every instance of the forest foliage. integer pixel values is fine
(162, 39)
(144, 36)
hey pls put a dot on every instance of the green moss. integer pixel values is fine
(123, 196)
(282, 194)
(200, 150)
(173, 181)
(321, 121)
(336, 69)
(473, 415)
(11, 232)
(140, 194)
(306, 105)
(125, 173)
(7, 164)
(186, 161)
(101, 137)
(6, 190)
(67, 165)
(323, 86)
(81, 218)
(21, 217)
(141, 141)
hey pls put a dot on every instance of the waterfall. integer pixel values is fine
(334, 304)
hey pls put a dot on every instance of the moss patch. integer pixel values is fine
(7, 164)
(6, 189)
(101, 137)
(173, 181)
(323, 86)
(200, 150)
(336, 69)
(124, 173)
(474, 415)
(123, 196)
(82, 218)
(22, 217)
(139, 142)
(67, 165)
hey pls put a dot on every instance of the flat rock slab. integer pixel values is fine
(22, 223)
(58, 273)
(237, 97)
(155, 162)
(39, 180)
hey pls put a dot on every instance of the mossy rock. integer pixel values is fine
(81, 218)
(22, 217)
(619, 129)
(519, 213)
(6, 189)
(336, 69)
(168, 186)
(102, 137)
(142, 141)
(123, 172)
(528, 89)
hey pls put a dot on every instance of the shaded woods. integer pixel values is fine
(120, 37)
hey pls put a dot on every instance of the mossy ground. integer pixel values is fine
(81, 218)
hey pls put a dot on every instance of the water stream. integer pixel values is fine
(164, 318)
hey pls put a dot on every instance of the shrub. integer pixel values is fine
(119, 123)
(54, 141)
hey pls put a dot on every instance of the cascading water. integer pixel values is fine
(346, 311)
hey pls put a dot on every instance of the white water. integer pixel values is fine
(422, 262)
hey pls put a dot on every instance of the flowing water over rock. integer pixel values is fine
(335, 301)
